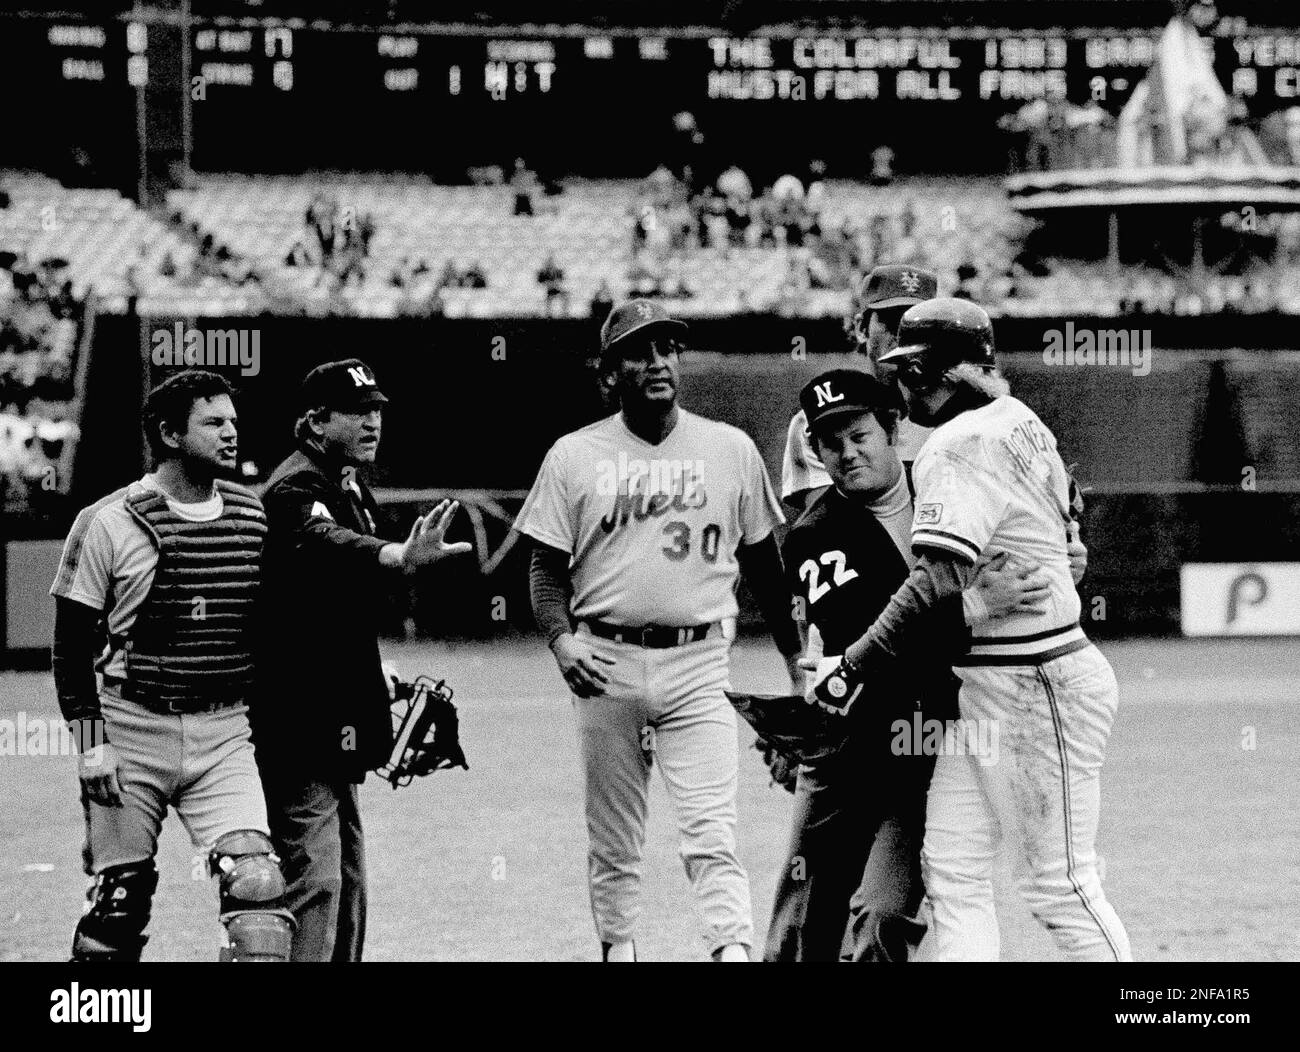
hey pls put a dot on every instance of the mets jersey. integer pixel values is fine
(802, 469)
(652, 530)
(991, 478)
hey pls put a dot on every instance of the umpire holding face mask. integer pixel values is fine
(322, 716)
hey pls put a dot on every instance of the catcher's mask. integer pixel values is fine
(426, 732)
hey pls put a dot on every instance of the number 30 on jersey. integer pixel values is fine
(679, 538)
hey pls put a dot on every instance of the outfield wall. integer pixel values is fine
(475, 404)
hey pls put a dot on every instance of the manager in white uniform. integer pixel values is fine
(642, 523)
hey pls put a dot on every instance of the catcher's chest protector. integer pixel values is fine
(192, 637)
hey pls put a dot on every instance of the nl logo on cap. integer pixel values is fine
(825, 395)
(360, 378)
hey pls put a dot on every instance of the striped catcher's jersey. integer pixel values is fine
(991, 478)
(652, 531)
(802, 469)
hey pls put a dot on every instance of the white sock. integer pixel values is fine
(733, 952)
(621, 952)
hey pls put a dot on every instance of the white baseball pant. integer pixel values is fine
(667, 705)
(1040, 796)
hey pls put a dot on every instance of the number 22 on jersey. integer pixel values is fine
(810, 572)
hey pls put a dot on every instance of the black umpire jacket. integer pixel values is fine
(843, 564)
(322, 706)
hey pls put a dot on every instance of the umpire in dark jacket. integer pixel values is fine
(851, 886)
(322, 716)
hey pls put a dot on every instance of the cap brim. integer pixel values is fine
(364, 401)
(894, 301)
(838, 411)
(645, 325)
(910, 351)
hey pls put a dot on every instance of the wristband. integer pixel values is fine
(840, 688)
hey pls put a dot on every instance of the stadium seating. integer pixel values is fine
(588, 229)
(106, 240)
(963, 228)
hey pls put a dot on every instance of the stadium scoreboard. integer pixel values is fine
(430, 100)
(980, 64)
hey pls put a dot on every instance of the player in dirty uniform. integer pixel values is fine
(990, 477)
(642, 523)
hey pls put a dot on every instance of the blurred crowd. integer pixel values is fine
(39, 326)
(335, 242)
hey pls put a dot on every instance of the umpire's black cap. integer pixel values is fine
(348, 386)
(632, 316)
(841, 392)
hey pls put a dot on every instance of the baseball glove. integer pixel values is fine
(783, 769)
(790, 732)
(426, 732)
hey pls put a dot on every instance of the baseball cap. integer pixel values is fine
(632, 316)
(897, 285)
(841, 392)
(348, 385)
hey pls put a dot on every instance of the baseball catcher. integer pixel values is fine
(157, 589)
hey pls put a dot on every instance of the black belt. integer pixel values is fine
(181, 707)
(656, 637)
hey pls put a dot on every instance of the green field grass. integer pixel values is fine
(1200, 835)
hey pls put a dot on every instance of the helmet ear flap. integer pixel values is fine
(923, 372)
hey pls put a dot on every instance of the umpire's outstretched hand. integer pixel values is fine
(425, 545)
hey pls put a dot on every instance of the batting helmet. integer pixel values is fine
(941, 333)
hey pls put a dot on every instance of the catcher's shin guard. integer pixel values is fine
(258, 927)
(120, 903)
